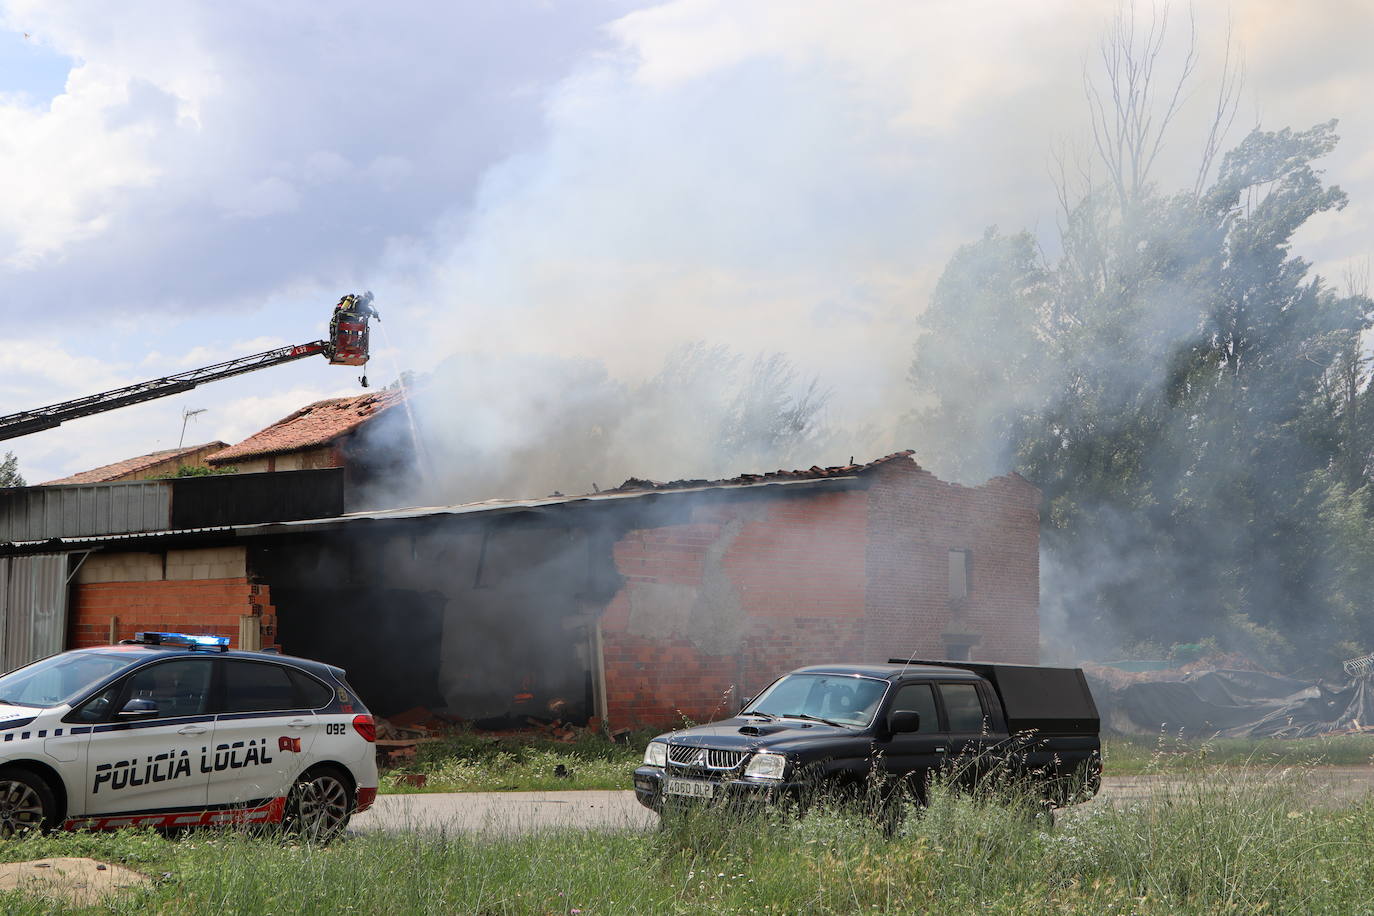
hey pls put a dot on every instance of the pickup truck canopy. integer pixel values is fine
(1054, 701)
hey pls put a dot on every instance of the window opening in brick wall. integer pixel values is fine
(960, 574)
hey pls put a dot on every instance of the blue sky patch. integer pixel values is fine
(31, 69)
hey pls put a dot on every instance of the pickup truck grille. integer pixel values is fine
(683, 759)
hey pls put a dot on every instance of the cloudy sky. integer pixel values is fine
(187, 182)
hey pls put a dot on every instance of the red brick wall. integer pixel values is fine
(201, 606)
(782, 581)
(914, 521)
(714, 608)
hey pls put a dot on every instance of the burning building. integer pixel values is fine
(639, 604)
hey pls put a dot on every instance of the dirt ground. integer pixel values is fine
(71, 881)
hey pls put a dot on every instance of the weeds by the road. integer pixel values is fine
(470, 762)
(1214, 842)
(1169, 753)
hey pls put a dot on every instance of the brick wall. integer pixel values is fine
(183, 591)
(714, 608)
(914, 521)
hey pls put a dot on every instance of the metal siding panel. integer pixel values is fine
(73, 504)
(4, 604)
(162, 492)
(35, 622)
(40, 513)
(119, 515)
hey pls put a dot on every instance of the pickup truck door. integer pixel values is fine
(969, 730)
(911, 756)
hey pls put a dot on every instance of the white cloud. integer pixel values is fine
(205, 154)
(782, 174)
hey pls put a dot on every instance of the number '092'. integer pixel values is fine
(334, 728)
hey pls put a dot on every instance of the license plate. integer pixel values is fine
(693, 788)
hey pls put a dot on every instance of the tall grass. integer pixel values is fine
(1221, 841)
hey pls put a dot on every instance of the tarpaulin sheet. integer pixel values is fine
(1230, 703)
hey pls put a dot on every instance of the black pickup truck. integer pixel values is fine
(840, 725)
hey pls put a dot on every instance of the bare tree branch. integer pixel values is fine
(1224, 111)
(1129, 137)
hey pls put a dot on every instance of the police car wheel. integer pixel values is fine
(26, 803)
(319, 806)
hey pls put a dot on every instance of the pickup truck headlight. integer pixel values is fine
(656, 754)
(766, 766)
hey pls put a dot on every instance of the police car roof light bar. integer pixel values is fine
(188, 640)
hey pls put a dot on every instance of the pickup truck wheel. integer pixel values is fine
(27, 803)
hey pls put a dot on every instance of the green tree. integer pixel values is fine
(1196, 414)
(9, 472)
(980, 365)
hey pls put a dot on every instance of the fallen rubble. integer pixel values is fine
(1228, 697)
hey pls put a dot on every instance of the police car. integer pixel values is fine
(175, 730)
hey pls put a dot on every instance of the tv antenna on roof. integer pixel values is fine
(186, 416)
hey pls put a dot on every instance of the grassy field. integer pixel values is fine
(469, 762)
(1210, 844)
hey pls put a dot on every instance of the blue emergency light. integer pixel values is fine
(189, 640)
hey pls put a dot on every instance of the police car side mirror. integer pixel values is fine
(903, 720)
(136, 709)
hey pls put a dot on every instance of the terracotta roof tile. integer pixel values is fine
(129, 465)
(310, 427)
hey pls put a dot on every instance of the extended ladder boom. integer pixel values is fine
(31, 421)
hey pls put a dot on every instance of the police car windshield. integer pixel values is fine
(60, 678)
(834, 698)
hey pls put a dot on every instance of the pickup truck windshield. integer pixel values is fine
(59, 678)
(840, 699)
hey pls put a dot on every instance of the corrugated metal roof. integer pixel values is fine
(492, 506)
(632, 489)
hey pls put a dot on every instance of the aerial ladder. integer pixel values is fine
(347, 345)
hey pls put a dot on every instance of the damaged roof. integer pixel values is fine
(633, 491)
(122, 469)
(312, 426)
(815, 472)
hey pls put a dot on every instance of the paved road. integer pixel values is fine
(506, 812)
(528, 812)
(1335, 784)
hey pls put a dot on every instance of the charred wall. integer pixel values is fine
(721, 601)
(647, 607)
(490, 619)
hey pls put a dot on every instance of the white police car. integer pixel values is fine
(175, 730)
